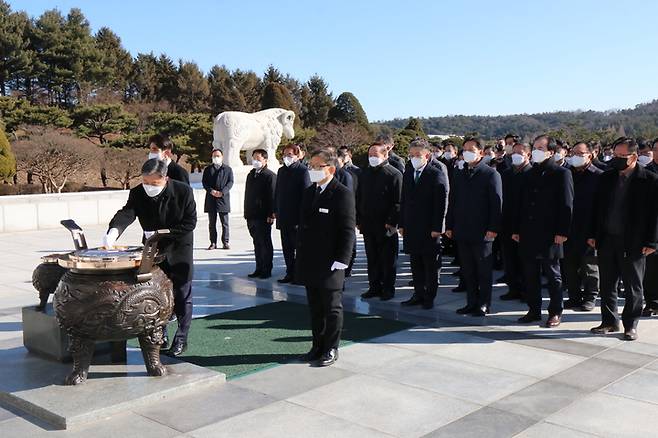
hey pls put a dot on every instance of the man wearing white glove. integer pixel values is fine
(325, 240)
(161, 203)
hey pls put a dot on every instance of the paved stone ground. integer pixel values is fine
(448, 376)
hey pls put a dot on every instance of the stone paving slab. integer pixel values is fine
(34, 385)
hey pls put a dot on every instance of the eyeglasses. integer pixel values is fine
(320, 167)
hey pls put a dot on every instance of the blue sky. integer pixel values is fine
(413, 57)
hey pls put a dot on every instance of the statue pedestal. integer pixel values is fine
(44, 337)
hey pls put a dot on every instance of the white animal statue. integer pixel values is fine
(235, 131)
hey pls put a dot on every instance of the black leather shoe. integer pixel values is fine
(649, 311)
(226, 246)
(265, 275)
(285, 279)
(254, 274)
(211, 247)
(371, 294)
(413, 301)
(386, 297)
(529, 317)
(588, 306)
(480, 311)
(177, 348)
(329, 358)
(465, 310)
(312, 355)
(603, 329)
(630, 335)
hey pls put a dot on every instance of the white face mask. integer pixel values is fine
(538, 156)
(316, 175)
(375, 161)
(217, 160)
(460, 164)
(155, 155)
(469, 156)
(558, 156)
(517, 159)
(487, 159)
(257, 164)
(448, 155)
(607, 158)
(288, 161)
(152, 191)
(644, 160)
(437, 155)
(577, 161)
(417, 162)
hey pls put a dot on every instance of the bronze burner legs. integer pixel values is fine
(82, 351)
(150, 345)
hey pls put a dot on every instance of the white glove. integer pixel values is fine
(110, 238)
(148, 234)
(338, 265)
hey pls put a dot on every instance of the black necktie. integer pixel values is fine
(318, 190)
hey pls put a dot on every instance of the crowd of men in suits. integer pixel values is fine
(582, 218)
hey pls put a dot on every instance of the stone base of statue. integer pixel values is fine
(33, 385)
(43, 336)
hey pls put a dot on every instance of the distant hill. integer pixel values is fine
(641, 121)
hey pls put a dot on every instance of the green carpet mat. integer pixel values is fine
(244, 341)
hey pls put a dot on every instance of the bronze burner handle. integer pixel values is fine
(78, 236)
(149, 254)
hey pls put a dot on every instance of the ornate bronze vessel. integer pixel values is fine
(111, 295)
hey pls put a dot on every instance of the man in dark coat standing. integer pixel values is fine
(542, 228)
(349, 165)
(474, 220)
(393, 159)
(513, 181)
(326, 237)
(580, 265)
(422, 218)
(162, 148)
(259, 212)
(377, 213)
(162, 203)
(291, 182)
(651, 276)
(624, 232)
(217, 181)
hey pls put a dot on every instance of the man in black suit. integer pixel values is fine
(651, 275)
(259, 212)
(474, 220)
(217, 181)
(625, 232)
(580, 266)
(542, 228)
(291, 182)
(349, 165)
(393, 159)
(347, 178)
(513, 181)
(422, 218)
(377, 213)
(162, 203)
(326, 237)
(161, 147)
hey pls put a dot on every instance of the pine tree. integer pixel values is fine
(316, 102)
(115, 63)
(192, 89)
(348, 109)
(7, 158)
(14, 56)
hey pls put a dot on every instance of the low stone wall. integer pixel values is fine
(40, 212)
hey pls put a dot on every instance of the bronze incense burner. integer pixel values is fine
(110, 294)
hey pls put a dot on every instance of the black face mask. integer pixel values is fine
(618, 163)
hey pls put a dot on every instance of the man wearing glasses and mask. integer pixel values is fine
(625, 232)
(324, 249)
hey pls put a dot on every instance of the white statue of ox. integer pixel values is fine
(234, 131)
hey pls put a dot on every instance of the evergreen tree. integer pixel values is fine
(115, 61)
(316, 102)
(7, 158)
(348, 109)
(144, 78)
(193, 92)
(272, 75)
(167, 79)
(224, 94)
(14, 56)
(97, 121)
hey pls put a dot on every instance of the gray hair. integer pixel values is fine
(154, 167)
(328, 155)
(420, 143)
(385, 139)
